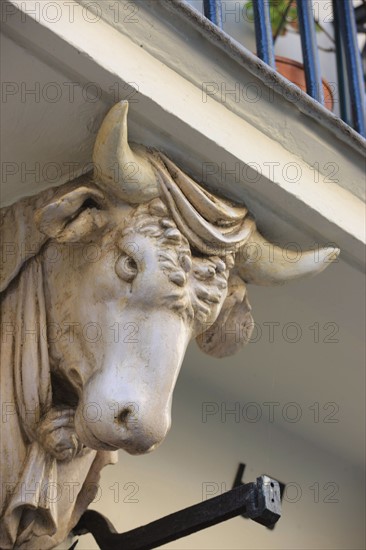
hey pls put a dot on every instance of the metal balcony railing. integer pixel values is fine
(351, 86)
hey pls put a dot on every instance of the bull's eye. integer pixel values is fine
(126, 268)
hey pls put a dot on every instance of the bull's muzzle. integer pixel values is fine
(122, 426)
(126, 404)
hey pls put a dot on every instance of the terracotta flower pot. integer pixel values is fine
(294, 71)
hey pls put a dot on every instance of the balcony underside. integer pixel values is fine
(218, 111)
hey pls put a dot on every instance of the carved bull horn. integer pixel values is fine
(119, 165)
(261, 263)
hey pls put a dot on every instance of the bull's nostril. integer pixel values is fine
(123, 417)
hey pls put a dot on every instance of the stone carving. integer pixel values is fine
(104, 281)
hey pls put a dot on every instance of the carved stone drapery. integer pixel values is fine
(137, 244)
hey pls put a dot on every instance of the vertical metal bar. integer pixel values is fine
(341, 71)
(263, 32)
(310, 55)
(346, 19)
(213, 11)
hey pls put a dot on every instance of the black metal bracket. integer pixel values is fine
(238, 480)
(259, 501)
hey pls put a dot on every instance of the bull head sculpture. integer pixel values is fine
(205, 255)
(172, 264)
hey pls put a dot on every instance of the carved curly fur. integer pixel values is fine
(207, 276)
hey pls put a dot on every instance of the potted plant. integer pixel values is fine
(284, 19)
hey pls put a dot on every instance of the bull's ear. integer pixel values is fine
(73, 215)
(234, 325)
